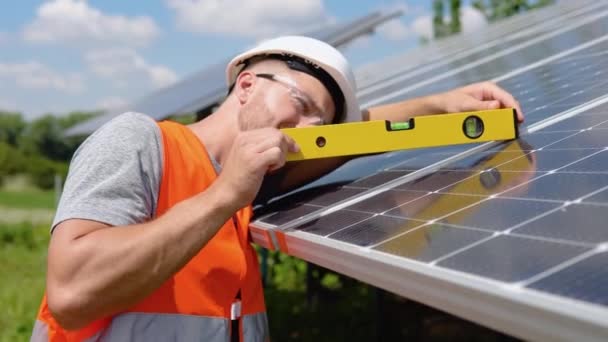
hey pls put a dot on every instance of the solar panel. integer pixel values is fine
(499, 62)
(510, 235)
(501, 33)
(471, 51)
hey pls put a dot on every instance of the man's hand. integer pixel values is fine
(477, 96)
(253, 154)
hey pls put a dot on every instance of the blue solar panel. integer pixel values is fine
(502, 222)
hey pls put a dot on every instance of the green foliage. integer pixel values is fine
(12, 161)
(323, 307)
(22, 270)
(184, 119)
(500, 9)
(440, 28)
(22, 234)
(42, 172)
(44, 136)
(11, 127)
(492, 10)
(286, 272)
(454, 16)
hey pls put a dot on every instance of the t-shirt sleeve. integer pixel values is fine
(114, 176)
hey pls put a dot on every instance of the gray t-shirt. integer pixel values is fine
(114, 176)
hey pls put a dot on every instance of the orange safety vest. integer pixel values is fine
(200, 301)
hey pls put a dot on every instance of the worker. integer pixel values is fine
(150, 240)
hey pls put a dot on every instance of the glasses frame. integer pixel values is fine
(302, 100)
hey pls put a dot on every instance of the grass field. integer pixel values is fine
(29, 199)
(23, 249)
(20, 202)
(25, 217)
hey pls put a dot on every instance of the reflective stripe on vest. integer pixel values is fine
(255, 327)
(41, 333)
(136, 326)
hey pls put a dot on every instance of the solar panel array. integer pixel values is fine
(511, 235)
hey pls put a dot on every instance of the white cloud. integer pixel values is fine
(471, 19)
(248, 18)
(112, 102)
(122, 65)
(423, 26)
(34, 75)
(361, 42)
(394, 29)
(74, 21)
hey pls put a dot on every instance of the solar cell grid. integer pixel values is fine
(577, 222)
(376, 229)
(503, 63)
(500, 35)
(580, 281)
(464, 56)
(601, 197)
(430, 242)
(494, 258)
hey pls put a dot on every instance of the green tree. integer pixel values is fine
(492, 10)
(44, 136)
(454, 16)
(11, 127)
(440, 27)
(12, 161)
(500, 9)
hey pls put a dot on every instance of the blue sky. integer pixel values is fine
(63, 55)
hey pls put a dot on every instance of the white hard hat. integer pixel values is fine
(314, 57)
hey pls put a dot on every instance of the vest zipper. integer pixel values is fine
(235, 308)
(235, 317)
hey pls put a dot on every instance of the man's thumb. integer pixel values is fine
(492, 104)
(475, 104)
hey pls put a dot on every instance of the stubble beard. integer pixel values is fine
(254, 116)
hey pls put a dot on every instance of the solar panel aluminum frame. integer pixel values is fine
(517, 311)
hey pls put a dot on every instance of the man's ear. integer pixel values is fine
(243, 86)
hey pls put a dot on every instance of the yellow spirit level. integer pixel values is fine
(383, 136)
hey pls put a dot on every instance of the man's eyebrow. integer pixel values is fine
(294, 85)
(309, 100)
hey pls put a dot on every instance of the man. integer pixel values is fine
(150, 239)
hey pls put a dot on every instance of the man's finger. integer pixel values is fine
(472, 104)
(292, 146)
(493, 92)
(494, 104)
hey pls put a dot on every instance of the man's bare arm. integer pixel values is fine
(95, 270)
